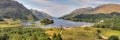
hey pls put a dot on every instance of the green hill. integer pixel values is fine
(102, 11)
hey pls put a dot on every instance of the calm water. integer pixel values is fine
(64, 23)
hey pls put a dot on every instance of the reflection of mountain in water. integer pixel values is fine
(66, 23)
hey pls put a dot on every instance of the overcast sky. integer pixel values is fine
(58, 8)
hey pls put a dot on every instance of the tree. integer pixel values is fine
(98, 31)
(1, 19)
(4, 37)
(98, 34)
(54, 36)
(15, 37)
(59, 37)
(48, 38)
(113, 37)
(34, 37)
(46, 21)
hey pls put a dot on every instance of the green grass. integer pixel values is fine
(67, 34)
(108, 32)
(79, 34)
(11, 24)
(83, 34)
(23, 34)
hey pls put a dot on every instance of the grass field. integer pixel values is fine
(10, 24)
(109, 32)
(83, 33)
(78, 33)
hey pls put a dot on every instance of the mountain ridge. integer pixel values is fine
(107, 8)
(101, 10)
(14, 10)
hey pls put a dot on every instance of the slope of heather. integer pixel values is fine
(107, 8)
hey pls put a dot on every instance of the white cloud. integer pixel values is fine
(94, 3)
(53, 8)
(88, 2)
(56, 9)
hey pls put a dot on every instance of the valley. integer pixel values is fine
(40, 20)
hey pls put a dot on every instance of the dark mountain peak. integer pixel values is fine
(13, 9)
(7, 1)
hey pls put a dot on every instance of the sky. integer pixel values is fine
(58, 8)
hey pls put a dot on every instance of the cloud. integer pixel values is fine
(53, 8)
(56, 9)
(94, 3)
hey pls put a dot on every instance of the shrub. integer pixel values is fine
(113, 37)
(87, 28)
(98, 31)
(102, 25)
(98, 36)
(23, 34)
(59, 37)
(34, 37)
(56, 37)
(4, 37)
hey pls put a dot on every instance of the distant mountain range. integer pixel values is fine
(102, 11)
(15, 10)
(40, 15)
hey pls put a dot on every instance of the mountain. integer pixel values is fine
(102, 11)
(40, 14)
(14, 10)
(107, 8)
(79, 11)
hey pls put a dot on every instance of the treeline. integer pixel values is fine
(112, 23)
(25, 34)
(93, 17)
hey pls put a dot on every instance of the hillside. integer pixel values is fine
(14, 10)
(40, 14)
(105, 9)
(79, 11)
